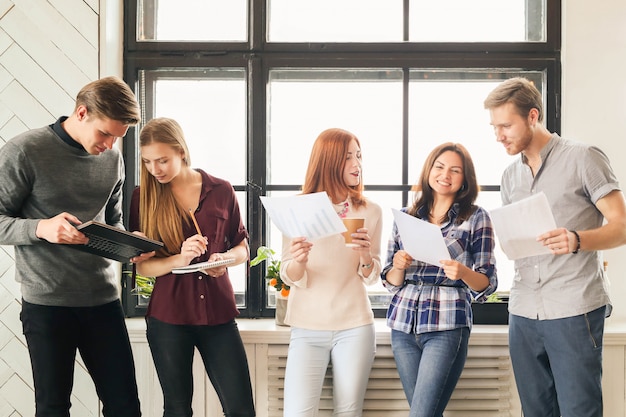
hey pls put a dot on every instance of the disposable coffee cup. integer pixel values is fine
(352, 224)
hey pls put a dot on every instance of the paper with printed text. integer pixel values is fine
(308, 215)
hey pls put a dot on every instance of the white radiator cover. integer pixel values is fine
(484, 388)
(487, 387)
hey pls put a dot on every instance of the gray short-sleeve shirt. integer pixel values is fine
(573, 176)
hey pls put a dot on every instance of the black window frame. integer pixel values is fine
(257, 57)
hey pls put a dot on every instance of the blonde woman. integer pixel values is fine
(192, 310)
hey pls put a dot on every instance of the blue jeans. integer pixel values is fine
(558, 364)
(430, 365)
(351, 352)
(53, 335)
(224, 358)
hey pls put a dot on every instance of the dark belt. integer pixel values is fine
(428, 284)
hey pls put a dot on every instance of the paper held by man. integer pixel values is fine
(518, 224)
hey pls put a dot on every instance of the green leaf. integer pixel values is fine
(143, 285)
(273, 268)
(262, 254)
(493, 298)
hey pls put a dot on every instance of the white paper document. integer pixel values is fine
(202, 265)
(518, 225)
(422, 240)
(308, 215)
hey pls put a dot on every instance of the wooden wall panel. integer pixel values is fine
(37, 83)
(48, 51)
(36, 41)
(62, 33)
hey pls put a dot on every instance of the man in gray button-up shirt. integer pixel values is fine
(558, 301)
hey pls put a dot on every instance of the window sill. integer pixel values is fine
(266, 331)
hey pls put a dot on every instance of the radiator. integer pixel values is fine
(486, 387)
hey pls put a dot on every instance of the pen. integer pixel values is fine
(195, 222)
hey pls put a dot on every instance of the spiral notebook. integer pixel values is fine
(113, 243)
(202, 265)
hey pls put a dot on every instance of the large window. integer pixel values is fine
(253, 84)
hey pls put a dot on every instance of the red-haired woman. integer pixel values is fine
(329, 309)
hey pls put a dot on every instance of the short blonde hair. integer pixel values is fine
(110, 98)
(519, 91)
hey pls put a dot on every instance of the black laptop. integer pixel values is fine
(113, 243)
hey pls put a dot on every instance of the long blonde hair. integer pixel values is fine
(326, 164)
(159, 214)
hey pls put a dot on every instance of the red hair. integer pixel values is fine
(326, 165)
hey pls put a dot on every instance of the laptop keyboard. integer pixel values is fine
(107, 246)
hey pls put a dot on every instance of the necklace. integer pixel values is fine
(343, 208)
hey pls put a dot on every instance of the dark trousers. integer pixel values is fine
(224, 359)
(53, 335)
(558, 364)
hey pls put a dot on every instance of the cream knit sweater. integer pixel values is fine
(332, 294)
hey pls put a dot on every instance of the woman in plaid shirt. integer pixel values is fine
(430, 314)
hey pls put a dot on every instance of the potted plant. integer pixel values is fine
(143, 285)
(272, 276)
(495, 310)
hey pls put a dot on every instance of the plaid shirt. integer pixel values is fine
(428, 301)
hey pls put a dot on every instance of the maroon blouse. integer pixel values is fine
(196, 298)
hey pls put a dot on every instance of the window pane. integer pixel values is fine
(192, 20)
(237, 274)
(447, 106)
(210, 105)
(303, 103)
(477, 21)
(335, 21)
(506, 271)
(379, 296)
(275, 242)
(381, 21)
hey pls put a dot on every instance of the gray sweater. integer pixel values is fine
(40, 177)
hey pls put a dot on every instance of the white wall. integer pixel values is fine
(111, 38)
(594, 99)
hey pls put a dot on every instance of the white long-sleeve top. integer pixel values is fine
(332, 294)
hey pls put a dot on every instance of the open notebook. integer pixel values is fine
(202, 265)
(113, 243)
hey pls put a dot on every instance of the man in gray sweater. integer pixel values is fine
(53, 178)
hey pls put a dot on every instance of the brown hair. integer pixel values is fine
(159, 214)
(465, 197)
(110, 98)
(326, 164)
(519, 91)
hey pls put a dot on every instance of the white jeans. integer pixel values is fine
(351, 352)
